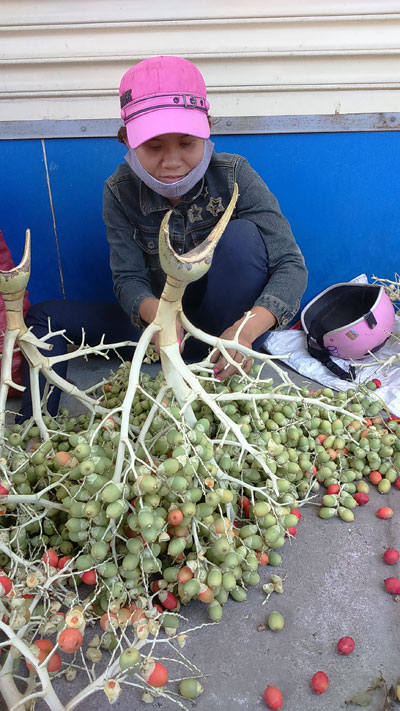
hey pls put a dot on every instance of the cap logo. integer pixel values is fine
(126, 98)
(191, 102)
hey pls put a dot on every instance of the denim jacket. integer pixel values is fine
(133, 213)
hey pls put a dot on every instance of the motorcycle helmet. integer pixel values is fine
(348, 321)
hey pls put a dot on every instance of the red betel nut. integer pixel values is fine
(5, 585)
(345, 645)
(168, 600)
(273, 697)
(392, 586)
(319, 682)
(385, 512)
(391, 556)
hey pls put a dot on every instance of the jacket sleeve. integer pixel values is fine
(129, 271)
(287, 273)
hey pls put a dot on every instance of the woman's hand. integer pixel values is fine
(261, 320)
(223, 369)
(179, 335)
(147, 311)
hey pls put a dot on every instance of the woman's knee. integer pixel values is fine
(39, 314)
(242, 245)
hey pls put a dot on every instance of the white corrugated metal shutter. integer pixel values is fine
(63, 59)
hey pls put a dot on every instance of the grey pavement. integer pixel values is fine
(333, 587)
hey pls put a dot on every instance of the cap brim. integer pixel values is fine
(174, 120)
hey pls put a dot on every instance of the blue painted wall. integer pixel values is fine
(340, 192)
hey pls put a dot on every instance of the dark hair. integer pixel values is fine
(122, 135)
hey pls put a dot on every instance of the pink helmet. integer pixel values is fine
(347, 320)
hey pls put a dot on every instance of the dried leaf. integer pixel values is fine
(392, 693)
(387, 701)
(364, 698)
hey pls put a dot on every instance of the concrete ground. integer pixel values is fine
(333, 587)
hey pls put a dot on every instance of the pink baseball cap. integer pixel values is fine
(163, 95)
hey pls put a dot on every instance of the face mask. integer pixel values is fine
(171, 190)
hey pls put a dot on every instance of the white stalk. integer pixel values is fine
(31, 499)
(134, 373)
(223, 343)
(170, 357)
(48, 693)
(6, 374)
(229, 424)
(36, 403)
(89, 350)
(230, 397)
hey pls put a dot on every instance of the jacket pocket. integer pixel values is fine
(148, 243)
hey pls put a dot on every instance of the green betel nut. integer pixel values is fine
(275, 621)
(190, 688)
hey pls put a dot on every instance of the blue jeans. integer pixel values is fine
(238, 274)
